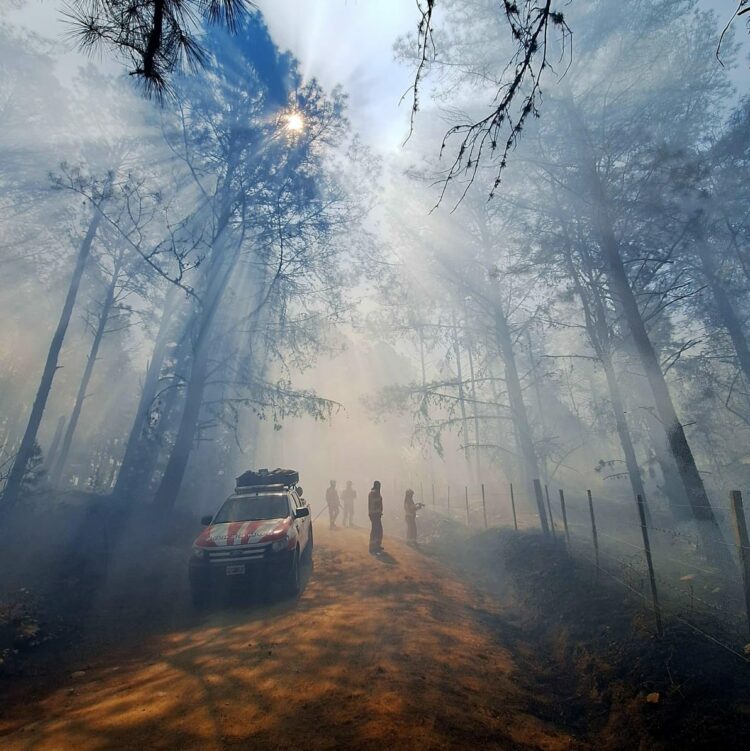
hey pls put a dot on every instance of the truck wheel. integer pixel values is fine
(293, 582)
(309, 550)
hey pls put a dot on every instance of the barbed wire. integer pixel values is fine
(677, 595)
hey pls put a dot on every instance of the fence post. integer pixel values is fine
(433, 493)
(549, 509)
(565, 516)
(449, 500)
(540, 507)
(593, 532)
(743, 541)
(466, 496)
(421, 492)
(650, 563)
(513, 506)
(484, 507)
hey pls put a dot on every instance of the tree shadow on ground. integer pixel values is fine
(360, 660)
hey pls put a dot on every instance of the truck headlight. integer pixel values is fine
(199, 553)
(280, 545)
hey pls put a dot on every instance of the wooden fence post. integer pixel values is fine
(565, 516)
(513, 506)
(449, 500)
(549, 509)
(484, 507)
(650, 563)
(540, 507)
(433, 493)
(743, 541)
(593, 532)
(466, 496)
(421, 492)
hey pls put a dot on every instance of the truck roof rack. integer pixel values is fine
(264, 478)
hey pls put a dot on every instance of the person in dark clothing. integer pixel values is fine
(410, 513)
(334, 506)
(375, 510)
(348, 496)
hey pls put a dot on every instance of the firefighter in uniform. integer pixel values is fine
(410, 513)
(347, 496)
(375, 510)
(334, 506)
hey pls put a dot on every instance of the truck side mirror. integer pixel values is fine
(206, 520)
(302, 512)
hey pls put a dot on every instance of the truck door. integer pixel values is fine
(303, 525)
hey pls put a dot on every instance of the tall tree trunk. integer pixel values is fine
(169, 487)
(518, 409)
(133, 456)
(477, 444)
(623, 433)
(422, 363)
(171, 481)
(49, 460)
(101, 326)
(727, 312)
(14, 485)
(540, 408)
(461, 394)
(671, 486)
(597, 328)
(619, 284)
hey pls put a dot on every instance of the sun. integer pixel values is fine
(295, 123)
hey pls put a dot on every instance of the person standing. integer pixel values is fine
(334, 506)
(347, 496)
(375, 510)
(410, 513)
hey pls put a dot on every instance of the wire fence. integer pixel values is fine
(670, 571)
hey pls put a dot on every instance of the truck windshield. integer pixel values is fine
(253, 508)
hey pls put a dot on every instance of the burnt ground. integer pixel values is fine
(611, 678)
(493, 641)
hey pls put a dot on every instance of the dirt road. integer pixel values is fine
(392, 653)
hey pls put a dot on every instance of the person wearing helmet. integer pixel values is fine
(410, 513)
(375, 510)
(334, 505)
(347, 496)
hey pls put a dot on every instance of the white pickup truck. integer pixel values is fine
(261, 534)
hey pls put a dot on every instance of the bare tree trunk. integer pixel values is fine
(595, 318)
(540, 408)
(620, 286)
(477, 455)
(14, 485)
(101, 326)
(518, 408)
(461, 395)
(129, 468)
(420, 332)
(169, 487)
(52, 452)
(623, 433)
(727, 312)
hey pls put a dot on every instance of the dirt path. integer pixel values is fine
(376, 653)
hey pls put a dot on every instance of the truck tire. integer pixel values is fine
(308, 556)
(293, 583)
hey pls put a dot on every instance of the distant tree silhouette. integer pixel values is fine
(156, 37)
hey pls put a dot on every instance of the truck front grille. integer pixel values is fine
(238, 554)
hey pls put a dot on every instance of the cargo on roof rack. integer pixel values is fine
(261, 477)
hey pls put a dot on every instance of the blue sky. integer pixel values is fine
(347, 42)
